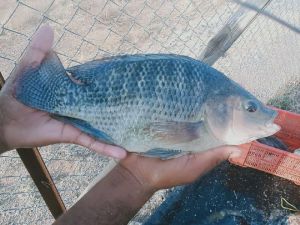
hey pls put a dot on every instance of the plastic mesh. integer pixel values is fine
(281, 163)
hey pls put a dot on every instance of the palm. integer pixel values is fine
(29, 127)
(178, 171)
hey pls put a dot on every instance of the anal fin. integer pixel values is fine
(163, 153)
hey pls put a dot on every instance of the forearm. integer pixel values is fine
(114, 200)
(2, 145)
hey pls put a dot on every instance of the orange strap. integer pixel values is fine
(273, 160)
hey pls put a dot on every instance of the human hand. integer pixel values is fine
(21, 126)
(122, 192)
(156, 174)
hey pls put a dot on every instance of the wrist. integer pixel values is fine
(113, 200)
(134, 178)
(139, 169)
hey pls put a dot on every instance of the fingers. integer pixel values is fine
(213, 157)
(70, 134)
(39, 47)
(104, 149)
(182, 170)
(188, 168)
(223, 153)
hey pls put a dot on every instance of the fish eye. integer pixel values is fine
(251, 106)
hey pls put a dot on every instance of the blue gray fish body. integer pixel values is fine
(157, 104)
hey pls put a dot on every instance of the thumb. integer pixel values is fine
(232, 152)
(36, 51)
(39, 47)
(205, 161)
(223, 153)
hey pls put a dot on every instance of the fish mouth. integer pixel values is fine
(270, 127)
(267, 130)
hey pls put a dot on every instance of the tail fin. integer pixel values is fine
(36, 86)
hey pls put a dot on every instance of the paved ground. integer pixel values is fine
(264, 59)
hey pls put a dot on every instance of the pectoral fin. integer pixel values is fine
(86, 128)
(163, 153)
(175, 132)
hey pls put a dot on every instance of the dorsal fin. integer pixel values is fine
(86, 73)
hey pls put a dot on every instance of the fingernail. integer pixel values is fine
(236, 152)
(118, 153)
(43, 38)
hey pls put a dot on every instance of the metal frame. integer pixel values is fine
(231, 31)
(38, 171)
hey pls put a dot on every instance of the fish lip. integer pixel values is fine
(270, 125)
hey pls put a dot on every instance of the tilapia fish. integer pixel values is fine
(159, 105)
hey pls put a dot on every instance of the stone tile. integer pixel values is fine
(6, 9)
(145, 17)
(41, 5)
(134, 8)
(68, 44)
(165, 9)
(110, 13)
(81, 23)
(122, 25)
(6, 67)
(98, 34)
(154, 4)
(86, 52)
(12, 44)
(137, 35)
(25, 20)
(62, 11)
(156, 27)
(182, 5)
(112, 43)
(120, 3)
(126, 48)
(93, 6)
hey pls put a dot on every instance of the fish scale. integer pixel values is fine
(151, 103)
